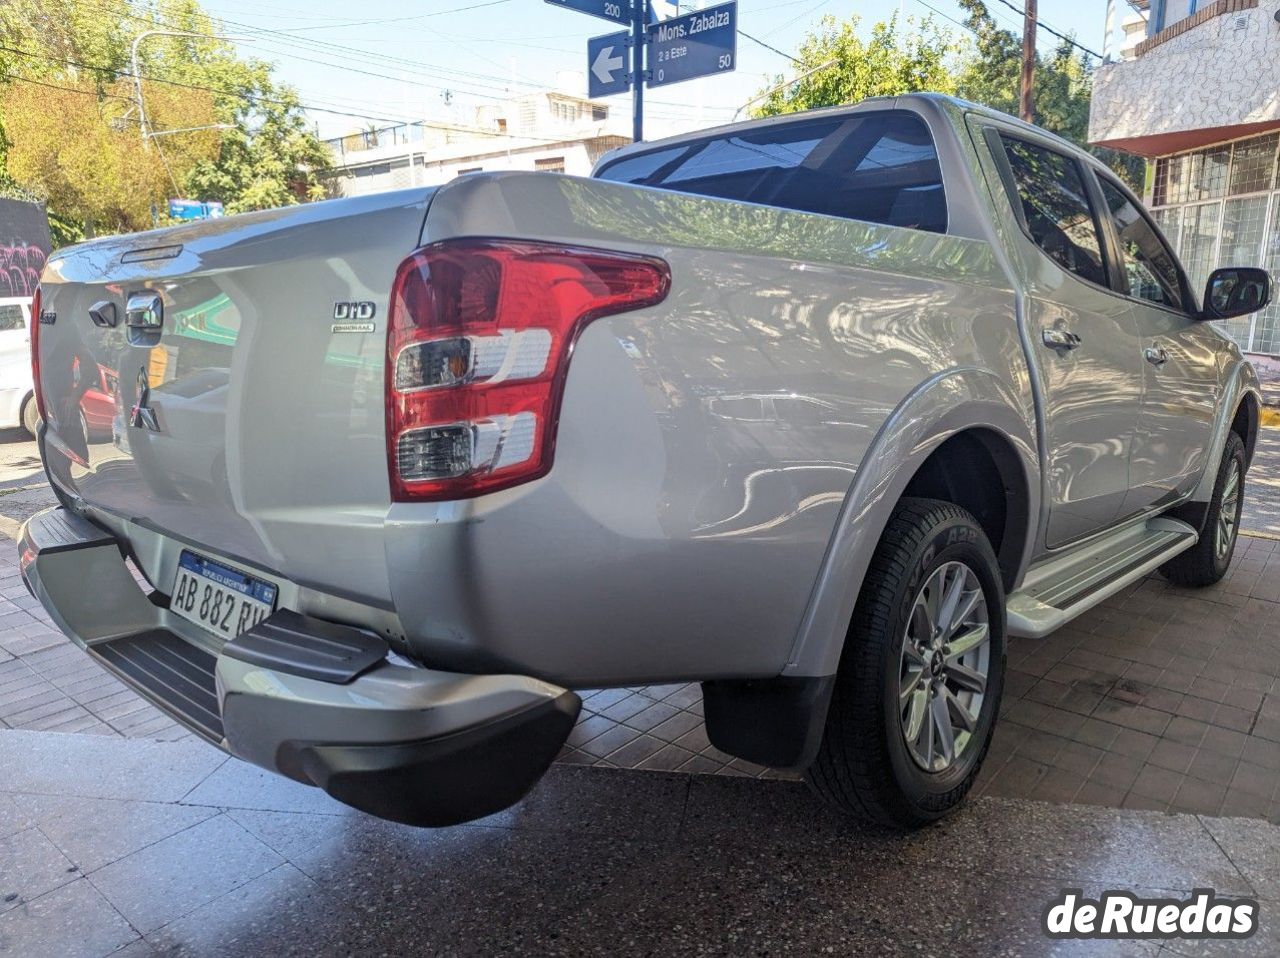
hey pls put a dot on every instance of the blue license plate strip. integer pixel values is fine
(228, 578)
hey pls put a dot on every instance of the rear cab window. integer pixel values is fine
(880, 167)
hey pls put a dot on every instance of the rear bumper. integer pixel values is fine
(409, 744)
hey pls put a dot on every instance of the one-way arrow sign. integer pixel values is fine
(607, 62)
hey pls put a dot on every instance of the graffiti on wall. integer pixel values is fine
(24, 246)
(20, 268)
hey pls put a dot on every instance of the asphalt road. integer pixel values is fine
(23, 489)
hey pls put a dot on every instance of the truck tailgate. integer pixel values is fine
(249, 419)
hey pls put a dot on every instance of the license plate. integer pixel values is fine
(219, 598)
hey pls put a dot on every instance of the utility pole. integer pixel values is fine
(1027, 108)
(639, 24)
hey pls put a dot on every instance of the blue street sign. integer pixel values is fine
(619, 11)
(607, 68)
(693, 45)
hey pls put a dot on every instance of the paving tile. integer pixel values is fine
(180, 873)
(31, 866)
(1157, 783)
(1254, 849)
(93, 832)
(590, 799)
(74, 921)
(237, 784)
(292, 834)
(1199, 797)
(268, 915)
(1071, 842)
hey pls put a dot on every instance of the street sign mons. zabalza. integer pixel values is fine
(679, 48)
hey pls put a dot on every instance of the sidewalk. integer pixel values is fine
(127, 847)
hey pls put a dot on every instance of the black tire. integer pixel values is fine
(864, 765)
(30, 415)
(1206, 562)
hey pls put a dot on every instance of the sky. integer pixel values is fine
(383, 61)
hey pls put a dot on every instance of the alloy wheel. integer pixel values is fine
(1228, 511)
(946, 656)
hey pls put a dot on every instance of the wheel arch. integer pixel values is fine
(1245, 423)
(964, 415)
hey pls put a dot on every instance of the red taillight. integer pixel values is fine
(478, 344)
(35, 352)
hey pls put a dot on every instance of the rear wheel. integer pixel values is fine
(1208, 560)
(30, 415)
(919, 683)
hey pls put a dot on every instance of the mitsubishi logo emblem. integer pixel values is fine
(142, 416)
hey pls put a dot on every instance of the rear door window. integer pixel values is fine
(881, 167)
(1055, 207)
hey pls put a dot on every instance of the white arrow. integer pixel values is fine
(605, 64)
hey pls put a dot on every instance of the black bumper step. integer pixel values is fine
(174, 674)
(287, 641)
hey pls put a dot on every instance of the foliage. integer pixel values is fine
(890, 62)
(77, 140)
(992, 75)
(985, 68)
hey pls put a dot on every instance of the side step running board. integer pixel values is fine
(1059, 589)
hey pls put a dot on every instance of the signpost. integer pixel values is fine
(693, 45)
(681, 48)
(607, 70)
(619, 11)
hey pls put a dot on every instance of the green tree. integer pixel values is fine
(985, 68)
(263, 153)
(890, 62)
(992, 75)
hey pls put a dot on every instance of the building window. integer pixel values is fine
(563, 110)
(552, 164)
(599, 113)
(1221, 207)
(471, 169)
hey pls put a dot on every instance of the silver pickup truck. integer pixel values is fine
(815, 410)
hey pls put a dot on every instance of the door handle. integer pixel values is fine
(144, 311)
(1057, 338)
(1155, 355)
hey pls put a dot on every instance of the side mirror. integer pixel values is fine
(1236, 291)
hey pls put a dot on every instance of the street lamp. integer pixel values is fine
(782, 86)
(137, 77)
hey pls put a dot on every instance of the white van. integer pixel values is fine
(17, 401)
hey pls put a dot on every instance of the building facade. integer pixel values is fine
(545, 131)
(1199, 96)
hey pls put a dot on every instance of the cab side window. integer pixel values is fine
(1151, 270)
(1055, 207)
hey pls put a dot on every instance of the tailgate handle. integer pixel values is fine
(144, 311)
(103, 314)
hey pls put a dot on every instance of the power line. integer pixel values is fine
(365, 23)
(255, 98)
(743, 33)
(1048, 29)
(65, 89)
(282, 38)
(250, 97)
